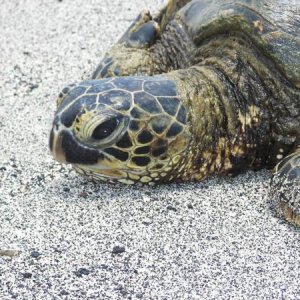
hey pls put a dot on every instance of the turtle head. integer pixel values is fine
(125, 129)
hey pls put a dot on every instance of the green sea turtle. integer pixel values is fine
(203, 87)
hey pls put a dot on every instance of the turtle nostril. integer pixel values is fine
(56, 123)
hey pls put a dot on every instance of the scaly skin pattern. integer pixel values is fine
(236, 109)
(150, 138)
(182, 96)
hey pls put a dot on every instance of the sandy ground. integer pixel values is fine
(69, 238)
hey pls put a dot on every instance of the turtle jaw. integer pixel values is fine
(105, 171)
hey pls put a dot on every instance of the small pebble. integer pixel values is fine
(35, 254)
(32, 87)
(82, 271)
(170, 207)
(27, 275)
(64, 293)
(147, 222)
(118, 249)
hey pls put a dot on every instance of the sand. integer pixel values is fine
(64, 237)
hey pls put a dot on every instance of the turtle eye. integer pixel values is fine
(105, 129)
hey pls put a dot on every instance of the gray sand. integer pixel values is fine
(74, 239)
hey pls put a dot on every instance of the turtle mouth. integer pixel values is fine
(100, 172)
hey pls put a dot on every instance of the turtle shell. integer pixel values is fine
(272, 25)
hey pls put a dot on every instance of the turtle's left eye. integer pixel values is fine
(105, 129)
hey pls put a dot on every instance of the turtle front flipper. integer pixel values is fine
(145, 29)
(131, 50)
(138, 51)
(285, 188)
(142, 33)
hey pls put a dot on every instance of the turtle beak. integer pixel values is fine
(55, 145)
(65, 148)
